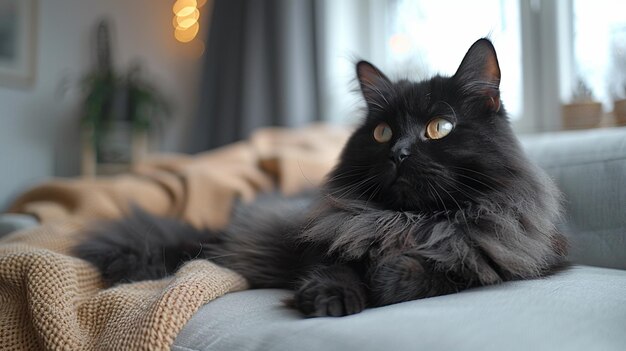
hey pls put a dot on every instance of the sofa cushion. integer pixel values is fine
(582, 308)
(590, 168)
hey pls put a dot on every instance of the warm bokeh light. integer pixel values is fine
(186, 11)
(182, 6)
(185, 35)
(184, 22)
(399, 43)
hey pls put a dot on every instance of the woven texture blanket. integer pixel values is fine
(51, 300)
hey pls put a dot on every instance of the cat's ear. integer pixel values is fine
(479, 72)
(373, 83)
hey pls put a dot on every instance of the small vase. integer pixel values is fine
(119, 148)
(115, 146)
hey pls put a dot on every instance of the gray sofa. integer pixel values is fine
(582, 308)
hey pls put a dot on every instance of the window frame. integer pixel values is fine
(547, 63)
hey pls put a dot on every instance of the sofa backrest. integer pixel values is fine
(590, 169)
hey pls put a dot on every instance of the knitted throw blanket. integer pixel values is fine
(51, 300)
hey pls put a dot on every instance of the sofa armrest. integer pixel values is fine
(12, 222)
(590, 169)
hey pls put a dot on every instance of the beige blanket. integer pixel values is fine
(51, 300)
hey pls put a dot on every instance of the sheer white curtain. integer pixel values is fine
(349, 30)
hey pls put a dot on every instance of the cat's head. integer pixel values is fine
(432, 144)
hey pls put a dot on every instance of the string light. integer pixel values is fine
(185, 35)
(186, 20)
(182, 6)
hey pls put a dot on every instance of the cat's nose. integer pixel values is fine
(400, 155)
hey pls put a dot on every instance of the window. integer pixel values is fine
(543, 46)
(600, 48)
(429, 37)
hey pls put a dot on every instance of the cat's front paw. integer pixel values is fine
(322, 298)
(398, 279)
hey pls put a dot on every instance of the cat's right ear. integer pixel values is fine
(373, 84)
(479, 72)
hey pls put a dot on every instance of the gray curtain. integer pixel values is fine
(260, 69)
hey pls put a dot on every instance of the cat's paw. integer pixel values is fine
(397, 279)
(322, 298)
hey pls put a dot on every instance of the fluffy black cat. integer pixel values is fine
(432, 195)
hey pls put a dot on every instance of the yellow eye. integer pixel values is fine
(438, 128)
(382, 133)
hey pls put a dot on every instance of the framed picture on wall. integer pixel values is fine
(17, 42)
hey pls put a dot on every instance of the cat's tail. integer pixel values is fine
(260, 243)
(141, 247)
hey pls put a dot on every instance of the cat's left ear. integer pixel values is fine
(479, 72)
(373, 83)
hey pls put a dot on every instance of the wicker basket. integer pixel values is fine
(581, 115)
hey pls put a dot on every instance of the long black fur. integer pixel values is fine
(465, 210)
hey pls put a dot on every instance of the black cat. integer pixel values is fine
(432, 195)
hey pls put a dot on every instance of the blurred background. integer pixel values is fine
(88, 86)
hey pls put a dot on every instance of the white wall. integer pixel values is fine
(39, 126)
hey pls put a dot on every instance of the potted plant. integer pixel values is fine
(619, 109)
(584, 111)
(119, 112)
(618, 75)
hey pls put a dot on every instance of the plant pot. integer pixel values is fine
(581, 115)
(116, 152)
(619, 111)
(115, 144)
